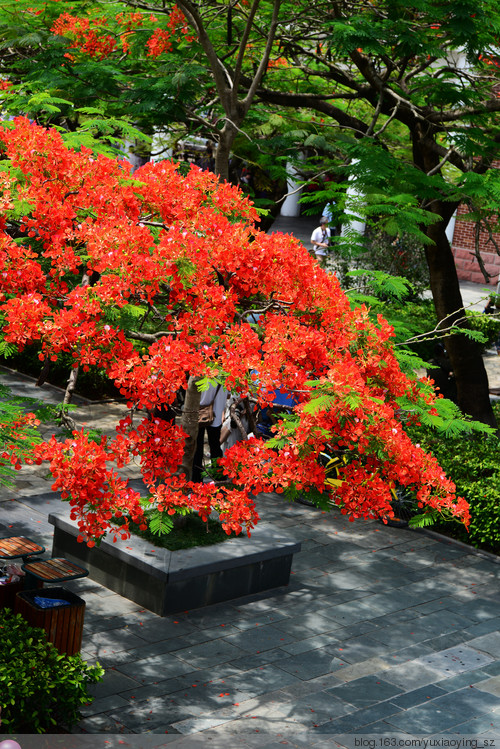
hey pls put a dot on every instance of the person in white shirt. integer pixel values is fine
(320, 239)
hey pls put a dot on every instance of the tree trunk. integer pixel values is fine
(223, 151)
(189, 423)
(464, 354)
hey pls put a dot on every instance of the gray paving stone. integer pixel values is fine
(113, 682)
(364, 668)
(410, 653)
(425, 719)
(105, 704)
(106, 643)
(318, 684)
(404, 635)
(162, 629)
(163, 666)
(447, 620)
(156, 713)
(493, 669)
(248, 621)
(484, 627)
(311, 714)
(311, 643)
(412, 675)
(159, 688)
(482, 610)
(193, 725)
(418, 696)
(341, 596)
(256, 660)
(366, 716)
(436, 604)
(311, 664)
(466, 679)
(312, 622)
(213, 697)
(469, 701)
(381, 727)
(307, 560)
(482, 725)
(260, 680)
(365, 691)
(210, 634)
(348, 613)
(358, 649)
(348, 579)
(388, 620)
(443, 642)
(324, 702)
(101, 723)
(489, 643)
(209, 653)
(457, 659)
(491, 685)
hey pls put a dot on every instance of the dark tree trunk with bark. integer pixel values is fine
(464, 354)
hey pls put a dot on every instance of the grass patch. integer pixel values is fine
(195, 532)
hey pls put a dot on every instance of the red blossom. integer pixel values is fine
(205, 270)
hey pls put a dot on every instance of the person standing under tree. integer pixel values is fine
(320, 240)
(217, 397)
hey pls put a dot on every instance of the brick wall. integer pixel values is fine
(463, 247)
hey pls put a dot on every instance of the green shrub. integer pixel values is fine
(472, 463)
(404, 257)
(488, 325)
(39, 688)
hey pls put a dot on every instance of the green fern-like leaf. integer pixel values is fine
(423, 521)
(160, 523)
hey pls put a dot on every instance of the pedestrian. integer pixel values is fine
(215, 396)
(320, 240)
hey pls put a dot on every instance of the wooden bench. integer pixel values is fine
(15, 547)
(62, 624)
(56, 570)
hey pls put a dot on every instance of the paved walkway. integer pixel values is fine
(381, 631)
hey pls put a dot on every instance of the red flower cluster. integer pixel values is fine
(84, 35)
(230, 302)
(93, 37)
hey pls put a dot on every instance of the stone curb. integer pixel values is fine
(460, 544)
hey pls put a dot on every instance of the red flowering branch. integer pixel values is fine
(184, 284)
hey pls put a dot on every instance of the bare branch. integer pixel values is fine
(443, 161)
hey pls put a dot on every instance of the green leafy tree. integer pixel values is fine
(428, 75)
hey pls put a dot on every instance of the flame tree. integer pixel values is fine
(158, 280)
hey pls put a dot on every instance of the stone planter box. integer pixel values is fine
(167, 582)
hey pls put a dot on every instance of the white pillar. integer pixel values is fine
(450, 229)
(291, 205)
(353, 207)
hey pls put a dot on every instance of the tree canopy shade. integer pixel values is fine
(415, 91)
(158, 280)
(404, 97)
